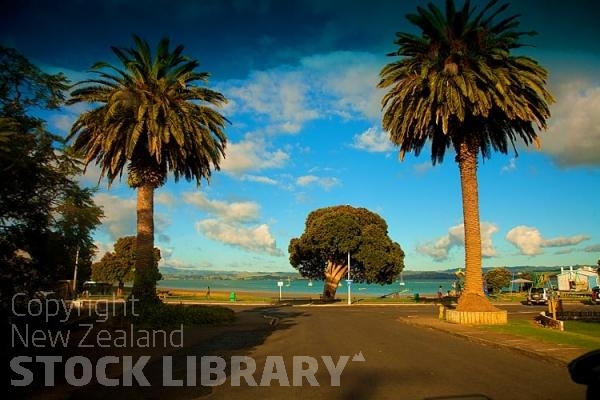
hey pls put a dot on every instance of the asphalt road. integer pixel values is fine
(401, 361)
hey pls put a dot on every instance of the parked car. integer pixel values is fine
(538, 295)
(596, 295)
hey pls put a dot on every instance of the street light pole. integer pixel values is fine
(349, 282)
(75, 272)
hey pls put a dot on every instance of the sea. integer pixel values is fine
(307, 287)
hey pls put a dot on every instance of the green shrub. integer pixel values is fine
(162, 315)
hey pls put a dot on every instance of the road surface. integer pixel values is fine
(401, 361)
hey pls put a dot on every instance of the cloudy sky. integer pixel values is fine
(305, 130)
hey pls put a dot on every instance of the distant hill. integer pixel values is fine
(175, 274)
(426, 275)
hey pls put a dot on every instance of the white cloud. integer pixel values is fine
(238, 211)
(347, 83)
(510, 167)
(231, 223)
(306, 180)
(61, 122)
(161, 223)
(373, 140)
(282, 95)
(101, 250)
(259, 179)
(257, 238)
(440, 248)
(563, 241)
(595, 248)
(423, 167)
(184, 265)
(564, 251)
(165, 253)
(251, 154)
(487, 246)
(165, 198)
(119, 215)
(91, 175)
(530, 242)
(527, 239)
(284, 99)
(325, 182)
(573, 136)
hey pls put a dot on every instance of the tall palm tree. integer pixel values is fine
(150, 116)
(458, 85)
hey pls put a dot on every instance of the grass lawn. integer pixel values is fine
(219, 298)
(400, 299)
(585, 335)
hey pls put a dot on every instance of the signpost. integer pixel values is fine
(280, 284)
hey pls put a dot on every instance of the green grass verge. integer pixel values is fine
(240, 297)
(508, 297)
(585, 335)
(401, 299)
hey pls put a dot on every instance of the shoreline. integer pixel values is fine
(295, 288)
(220, 294)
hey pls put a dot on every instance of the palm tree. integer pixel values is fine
(458, 85)
(148, 115)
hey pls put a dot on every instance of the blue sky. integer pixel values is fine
(300, 77)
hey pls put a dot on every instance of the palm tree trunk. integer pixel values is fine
(144, 284)
(473, 298)
(333, 275)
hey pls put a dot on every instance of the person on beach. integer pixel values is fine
(208, 293)
(440, 292)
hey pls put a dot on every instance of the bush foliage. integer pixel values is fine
(160, 315)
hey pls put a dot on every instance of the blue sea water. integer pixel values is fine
(301, 286)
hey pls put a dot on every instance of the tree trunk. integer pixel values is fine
(333, 275)
(144, 284)
(472, 298)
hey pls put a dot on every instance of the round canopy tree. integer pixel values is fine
(119, 266)
(498, 278)
(331, 233)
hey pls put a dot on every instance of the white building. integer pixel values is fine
(582, 279)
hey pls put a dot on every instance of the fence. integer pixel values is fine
(575, 315)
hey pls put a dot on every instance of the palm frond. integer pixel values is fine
(459, 79)
(150, 115)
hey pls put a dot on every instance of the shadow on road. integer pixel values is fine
(251, 328)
